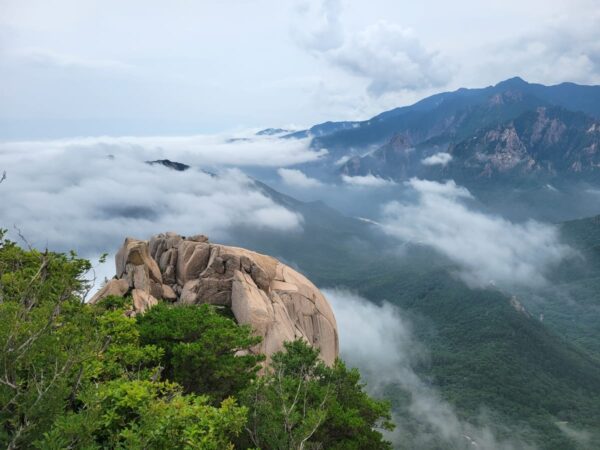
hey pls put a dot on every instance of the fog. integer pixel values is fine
(488, 249)
(88, 194)
(378, 339)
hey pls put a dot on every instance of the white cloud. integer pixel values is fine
(391, 58)
(367, 181)
(379, 340)
(440, 159)
(74, 195)
(553, 53)
(201, 150)
(487, 249)
(318, 25)
(297, 178)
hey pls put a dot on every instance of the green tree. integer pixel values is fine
(74, 375)
(204, 352)
(146, 415)
(301, 403)
(44, 338)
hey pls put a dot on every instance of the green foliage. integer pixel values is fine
(201, 349)
(45, 338)
(301, 403)
(76, 376)
(81, 376)
(145, 415)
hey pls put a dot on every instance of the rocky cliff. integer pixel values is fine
(279, 303)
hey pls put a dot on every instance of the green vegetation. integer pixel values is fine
(74, 375)
(200, 349)
(529, 376)
(319, 404)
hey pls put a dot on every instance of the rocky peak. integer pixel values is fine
(279, 303)
(180, 167)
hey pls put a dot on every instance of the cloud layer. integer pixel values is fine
(379, 341)
(244, 149)
(89, 194)
(487, 249)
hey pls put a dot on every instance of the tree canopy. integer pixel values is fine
(74, 375)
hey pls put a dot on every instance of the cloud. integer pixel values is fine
(200, 150)
(88, 195)
(388, 56)
(367, 181)
(391, 58)
(486, 248)
(439, 159)
(318, 25)
(378, 340)
(555, 53)
(297, 178)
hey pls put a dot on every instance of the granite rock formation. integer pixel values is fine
(278, 303)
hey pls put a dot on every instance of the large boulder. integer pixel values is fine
(279, 303)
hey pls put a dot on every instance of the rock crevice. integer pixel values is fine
(278, 303)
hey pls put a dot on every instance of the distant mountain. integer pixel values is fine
(512, 130)
(272, 132)
(180, 167)
(455, 113)
(545, 142)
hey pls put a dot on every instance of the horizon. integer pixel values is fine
(237, 131)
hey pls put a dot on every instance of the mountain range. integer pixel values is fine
(514, 130)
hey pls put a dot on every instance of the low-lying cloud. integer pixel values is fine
(369, 180)
(379, 341)
(439, 159)
(87, 195)
(207, 151)
(487, 249)
(297, 178)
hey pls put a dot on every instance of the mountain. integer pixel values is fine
(456, 113)
(547, 143)
(485, 349)
(524, 150)
(513, 128)
(272, 132)
(571, 306)
(180, 167)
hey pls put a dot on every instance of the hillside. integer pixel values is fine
(483, 352)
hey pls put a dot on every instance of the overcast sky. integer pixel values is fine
(89, 67)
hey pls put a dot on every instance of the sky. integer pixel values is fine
(111, 67)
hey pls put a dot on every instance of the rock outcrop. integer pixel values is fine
(278, 303)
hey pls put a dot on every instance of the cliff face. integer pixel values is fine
(279, 303)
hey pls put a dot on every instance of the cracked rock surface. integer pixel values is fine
(278, 303)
